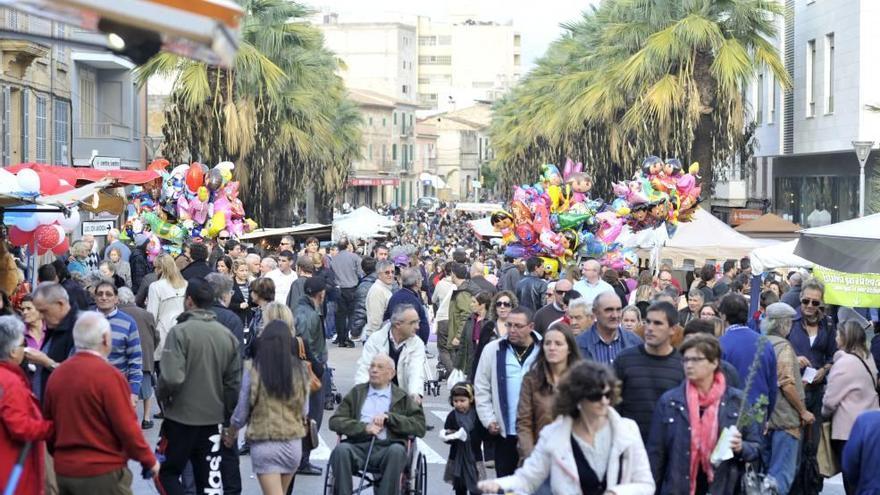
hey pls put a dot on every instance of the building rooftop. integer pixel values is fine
(376, 99)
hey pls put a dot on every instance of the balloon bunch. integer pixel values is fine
(190, 201)
(555, 219)
(46, 228)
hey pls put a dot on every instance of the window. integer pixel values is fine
(811, 78)
(87, 104)
(384, 122)
(435, 59)
(771, 101)
(42, 118)
(404, 89)
(517, 59)
(25, 117)
(759, 100)
(427, 40)
(370, 120)
(12, 19)
(394, 118)
(517, 40)
(7, 124)
(394, 152)
(410, 119)
(404, 65)
(829, 73)
(370, 151)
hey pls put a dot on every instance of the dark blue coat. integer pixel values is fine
(860, 456)
(408, 296)
(669, 444)
(738, 347)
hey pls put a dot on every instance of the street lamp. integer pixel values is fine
(863, 150)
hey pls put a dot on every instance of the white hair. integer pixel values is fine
(11, 334)
(253, 257)
(270, 262)
(89, 330)
(581, 303)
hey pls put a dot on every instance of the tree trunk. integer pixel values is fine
(702, 149)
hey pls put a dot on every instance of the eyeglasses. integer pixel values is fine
(503, 304)
(104, 294)
(597, 396)
(562, 292)
(223, 238)
(518, 325)
(693, 359)
(811, 302)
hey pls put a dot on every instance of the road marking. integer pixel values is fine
(322, 453)
(430, 456)
(440, 414)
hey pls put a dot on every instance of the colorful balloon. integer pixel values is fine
(195, 177)
(214, 180)
(28, 181)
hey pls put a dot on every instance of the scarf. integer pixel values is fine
(704, 429)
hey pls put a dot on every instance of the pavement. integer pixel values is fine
(436, 408)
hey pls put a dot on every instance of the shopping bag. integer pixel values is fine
(828, 462)
(456, 376)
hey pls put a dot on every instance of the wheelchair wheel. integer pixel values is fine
(421, 474)
(329, 481)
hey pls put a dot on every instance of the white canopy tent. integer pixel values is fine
(702, 239)
(483, 228)
(777, 256)
(362, 223)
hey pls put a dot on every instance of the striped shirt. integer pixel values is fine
(125, 353)
(603, 352)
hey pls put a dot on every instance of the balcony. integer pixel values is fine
(102, 130)
(406, 131)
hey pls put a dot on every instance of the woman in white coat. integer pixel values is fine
(589, 449)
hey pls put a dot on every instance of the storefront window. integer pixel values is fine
(816, 201)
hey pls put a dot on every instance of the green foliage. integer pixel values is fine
(638, 77)
(280, 113)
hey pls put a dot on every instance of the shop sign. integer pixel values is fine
(106, 163)
(373, 182)
(97, 227)
(740, 216)
(855, 290)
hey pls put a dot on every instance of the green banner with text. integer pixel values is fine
(856, 290)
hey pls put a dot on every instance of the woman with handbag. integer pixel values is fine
(273, 403)
(852, 385)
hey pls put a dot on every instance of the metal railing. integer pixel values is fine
(102, 130)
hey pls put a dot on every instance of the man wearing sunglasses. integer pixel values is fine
(813, 338)
(555, 309)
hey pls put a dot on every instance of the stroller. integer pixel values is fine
(432, 382)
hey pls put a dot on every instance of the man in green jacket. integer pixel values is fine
(459, 306)
(377, 409)
(199, 380)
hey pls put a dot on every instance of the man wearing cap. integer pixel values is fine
(790, 412)
(310, 326)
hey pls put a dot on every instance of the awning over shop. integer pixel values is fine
(61, 201)
(373, 181)
(74, 175)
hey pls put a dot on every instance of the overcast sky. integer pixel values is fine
(537, 21)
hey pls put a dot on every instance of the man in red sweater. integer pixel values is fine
(96, 428)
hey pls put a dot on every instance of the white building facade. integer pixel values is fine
(804, 162)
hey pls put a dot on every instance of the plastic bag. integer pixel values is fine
(456, 376)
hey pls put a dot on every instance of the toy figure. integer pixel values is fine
(502, 222)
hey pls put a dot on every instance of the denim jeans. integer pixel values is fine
(781, 459)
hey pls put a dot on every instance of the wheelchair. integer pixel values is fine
(413, 480)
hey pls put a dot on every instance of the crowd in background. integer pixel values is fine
(590, 380)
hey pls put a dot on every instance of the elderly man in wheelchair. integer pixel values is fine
(377, 420)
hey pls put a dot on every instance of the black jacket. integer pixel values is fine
(359, 315)
(510, 276)
(140, 266)
(484, 285)
(58, 345)
(80, 299)
(229, 320)
(196, 269)
(530, 292)
(235, 304)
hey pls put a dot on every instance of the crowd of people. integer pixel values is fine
(588, 381)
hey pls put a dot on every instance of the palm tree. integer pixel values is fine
(639, 77)
(280, 113)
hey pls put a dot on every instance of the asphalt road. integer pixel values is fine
(436, 409)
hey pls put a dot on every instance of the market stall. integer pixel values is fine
(769, 226)
(362, 223)
(852, 246)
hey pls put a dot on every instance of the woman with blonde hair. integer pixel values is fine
(77, 262)
(165, 297)
(278, 311)
(241, 279)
